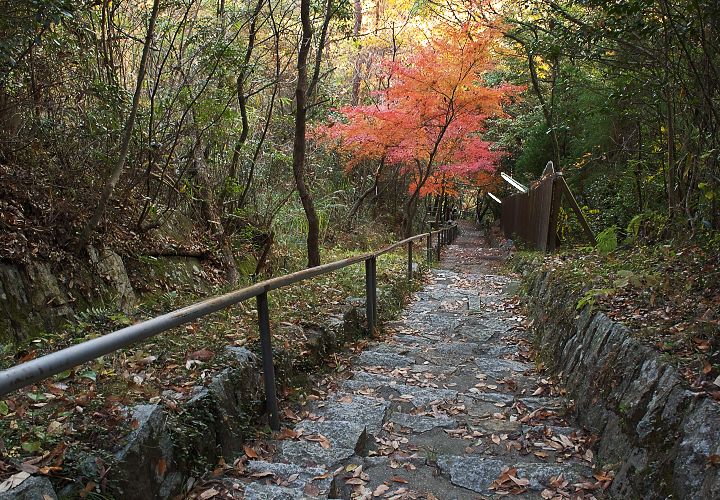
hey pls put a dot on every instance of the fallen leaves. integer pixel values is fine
(318, 438)
(13, 481)
(559, 488)
(509, 483)
(209, 493)
(381, 490)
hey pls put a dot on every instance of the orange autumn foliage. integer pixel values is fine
(431, 117)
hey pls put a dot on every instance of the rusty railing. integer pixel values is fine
(41, 368)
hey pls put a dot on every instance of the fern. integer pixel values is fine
(607, 240)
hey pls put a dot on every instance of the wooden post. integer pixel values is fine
(576, 208)
(552, 237)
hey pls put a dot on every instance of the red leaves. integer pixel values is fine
(430, 117)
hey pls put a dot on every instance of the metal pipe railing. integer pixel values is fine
(46, 366)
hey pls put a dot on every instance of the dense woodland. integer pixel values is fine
(270, 123)
(239, 140)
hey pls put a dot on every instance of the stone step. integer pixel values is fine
(501, 368)
(341, 439)
(355, 408)
(308, 453)
(477, 473)
(387, 359)
(259, 491)
(340, 433)
(312, 481)
(419, 423)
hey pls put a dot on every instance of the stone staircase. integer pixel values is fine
(450, 406)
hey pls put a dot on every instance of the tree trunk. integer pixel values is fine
(355, 99)
(313, 236)
(208, 208)
(358, 203)
(127, 134)
(546, 109)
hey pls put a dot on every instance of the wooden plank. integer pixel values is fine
(576, 208)
(557, 193)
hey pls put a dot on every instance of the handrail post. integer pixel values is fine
(410, 261)
(439, 245)
(267, 361)
(429, 248)
(370, 293)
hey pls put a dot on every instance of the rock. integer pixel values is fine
(414, 340)
(649, 423)
(257, 491)
(535, 402)
(45, 292)
(420, 423)
(473, 473)
(493, 397)
(477, 473)
(110, 266)
(215, 421)
(293, 476)
(701, 439)
(146, 461)
(373, 358)
(423, 396)
(369, 411)
(32, 488)
(400, 349)
(308, 453)
(501, 368)
(340, 433)
(494, 426)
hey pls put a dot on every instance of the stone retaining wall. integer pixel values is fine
(40, 296)
(664, 438)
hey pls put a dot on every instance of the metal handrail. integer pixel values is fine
(46, 366)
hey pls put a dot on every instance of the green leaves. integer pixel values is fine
(89, 374)
(31, 446)
(607, 240)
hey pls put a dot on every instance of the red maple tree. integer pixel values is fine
(431, 116)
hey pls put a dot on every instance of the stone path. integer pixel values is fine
(449, 407)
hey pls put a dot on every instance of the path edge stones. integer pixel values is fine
(663, 437)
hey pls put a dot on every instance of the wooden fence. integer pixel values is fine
(532, 216)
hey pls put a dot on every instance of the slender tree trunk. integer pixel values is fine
(127, 134)
(670, 131)
(546, 109)
(358, 203)
(355, 99)
(299, 144)
(439, 204)
(638, 171)
(262, 260)
(240, 90)
(212, 216)
(321, 46)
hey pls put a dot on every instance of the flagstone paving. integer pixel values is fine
(450, 406)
